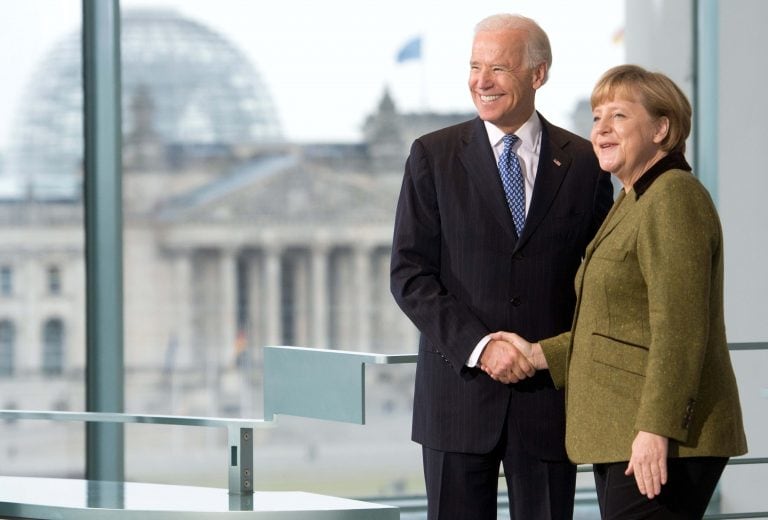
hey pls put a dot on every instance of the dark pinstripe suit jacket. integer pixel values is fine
(459, 271)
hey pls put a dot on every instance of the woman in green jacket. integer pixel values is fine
(651, 397)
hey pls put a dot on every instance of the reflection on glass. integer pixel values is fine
(236, 238)
(236, 235)
(42, 296)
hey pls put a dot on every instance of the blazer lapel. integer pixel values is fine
(608, 224)
(478, 160)
(621, 208)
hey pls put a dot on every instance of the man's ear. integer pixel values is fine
(539, 75)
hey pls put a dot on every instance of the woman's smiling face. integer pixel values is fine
(626, 138)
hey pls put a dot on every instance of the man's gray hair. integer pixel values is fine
(537, 45)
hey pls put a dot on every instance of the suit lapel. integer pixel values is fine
(478, 160)
(553, 165)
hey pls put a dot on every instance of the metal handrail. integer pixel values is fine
(239, 432)
(748, 346)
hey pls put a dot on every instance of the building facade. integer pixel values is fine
(233, 238)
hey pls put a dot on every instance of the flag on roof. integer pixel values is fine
(410, 51)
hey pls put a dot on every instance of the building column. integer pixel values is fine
(29, 330)
(255, 317)
(227, 305)
(181, 331)
(320, 296)
(302, 295)
(272, 296)
(362, 285)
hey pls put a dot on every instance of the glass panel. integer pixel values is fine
(263, 151)
(263, 154)
(42, 334)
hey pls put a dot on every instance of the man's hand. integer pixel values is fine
(504, 362)
(532, 351)
(649, 463)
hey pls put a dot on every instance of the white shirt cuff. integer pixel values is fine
(475, 356)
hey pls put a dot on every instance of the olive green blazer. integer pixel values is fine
(648, 350)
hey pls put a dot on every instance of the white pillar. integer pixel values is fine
(342, 289)
(302, 298)
(362, 296)
(29, 330)
(320, 296)
(272, 296)
(227, 305)
(255, 299)
(182, 301)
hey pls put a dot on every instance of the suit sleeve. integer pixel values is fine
(447, 323)
(678, 242)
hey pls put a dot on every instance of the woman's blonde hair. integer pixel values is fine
(660, 96)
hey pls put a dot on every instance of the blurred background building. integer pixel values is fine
(236, 237)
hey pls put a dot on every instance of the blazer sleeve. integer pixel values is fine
(678, 244)
(556, 353)
(448, 324)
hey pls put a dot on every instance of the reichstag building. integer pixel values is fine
(234, 238)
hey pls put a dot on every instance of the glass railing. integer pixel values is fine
(330, 385)
(414, 507)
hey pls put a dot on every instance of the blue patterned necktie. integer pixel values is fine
(512, 179)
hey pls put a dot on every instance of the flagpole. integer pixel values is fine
(423, 69)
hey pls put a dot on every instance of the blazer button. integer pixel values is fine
(515, 301)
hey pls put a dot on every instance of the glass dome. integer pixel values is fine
(203, 93)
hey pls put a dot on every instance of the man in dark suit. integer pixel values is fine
(460, 271)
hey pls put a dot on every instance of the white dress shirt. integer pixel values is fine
(528, 149)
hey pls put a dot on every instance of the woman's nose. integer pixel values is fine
(600, 126)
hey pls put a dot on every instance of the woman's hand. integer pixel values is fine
(649, 463)
(504, 362)
(532, 351)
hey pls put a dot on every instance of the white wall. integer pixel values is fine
(743, 167)
(742, 191)
(659, 36)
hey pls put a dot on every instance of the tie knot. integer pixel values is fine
(510, 140)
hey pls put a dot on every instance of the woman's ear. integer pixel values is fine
(662, 129)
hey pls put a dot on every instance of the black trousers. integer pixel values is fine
(690, 484)
(463, 486)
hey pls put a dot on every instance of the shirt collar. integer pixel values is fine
(672, 161)
(529, 133)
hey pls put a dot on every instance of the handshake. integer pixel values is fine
(509, 358)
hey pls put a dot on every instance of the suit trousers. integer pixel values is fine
(685, 496)
(464, 486)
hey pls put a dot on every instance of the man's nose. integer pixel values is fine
(483, 79)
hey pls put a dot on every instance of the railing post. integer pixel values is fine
(240, 460)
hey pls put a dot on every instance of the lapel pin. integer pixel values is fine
(557, 162)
